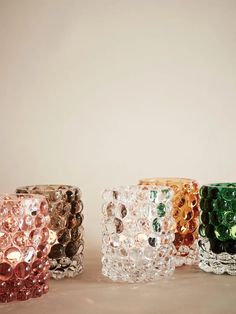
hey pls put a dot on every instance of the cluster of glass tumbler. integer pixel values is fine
(147, 230)
(153, 227)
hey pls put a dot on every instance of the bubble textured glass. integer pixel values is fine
(218, 228)
(137, 237)
(185, 214)
(66, 230)
(23, 247)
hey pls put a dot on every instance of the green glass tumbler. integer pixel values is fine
(217, 230)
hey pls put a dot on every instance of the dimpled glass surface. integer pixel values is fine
(66, 230)
(137, 237)
(23, 247)
(218, 228)
(185, 214)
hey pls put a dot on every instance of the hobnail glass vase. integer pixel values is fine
(66, 230)
(218, 228)
(185, 214)
(23, 247)
(137, 233)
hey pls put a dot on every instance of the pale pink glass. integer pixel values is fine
(24, 247)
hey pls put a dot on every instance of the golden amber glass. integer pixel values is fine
(185, 213)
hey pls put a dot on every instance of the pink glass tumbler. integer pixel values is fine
(23, 247)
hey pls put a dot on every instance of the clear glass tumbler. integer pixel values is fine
(24, 265)
(186, 215)
(66, 230)
(138, 234)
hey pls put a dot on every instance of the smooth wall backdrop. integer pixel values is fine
(102, 93)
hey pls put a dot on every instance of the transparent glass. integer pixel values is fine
(218, 228)
(24, 247)
(66, 230)
(137, 233)
(186, 215)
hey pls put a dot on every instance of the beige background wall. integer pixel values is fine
(102, 93)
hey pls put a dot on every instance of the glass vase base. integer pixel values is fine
(216, 263)
(139, 266)
(68, 269)
(187, 255)
(16, 289)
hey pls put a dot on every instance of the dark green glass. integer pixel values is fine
(218, 216)
(161, 210)
(156, 225)
(202, 230)
(215, 218)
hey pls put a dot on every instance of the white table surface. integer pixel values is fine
(189, 290)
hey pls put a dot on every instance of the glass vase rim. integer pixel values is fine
(17, 196)
(46, 187)
(225, 185)
(136, 186)
(171, 179)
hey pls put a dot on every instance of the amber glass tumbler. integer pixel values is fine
(185, 213)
